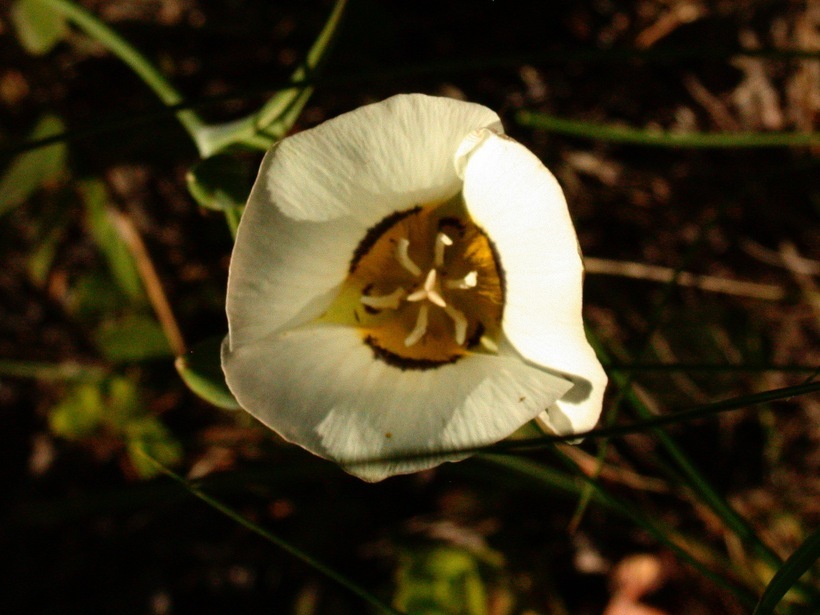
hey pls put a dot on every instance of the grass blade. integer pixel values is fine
(798, 563)
(658, 138)
(229, 512)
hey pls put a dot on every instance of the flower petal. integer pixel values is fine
(284, 272)
(375, 160)
(520, 205)
(322, 388)
(319, 191)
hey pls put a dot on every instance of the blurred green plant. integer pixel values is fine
(113, 411)
(441, 580)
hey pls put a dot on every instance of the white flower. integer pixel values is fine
(406, 280)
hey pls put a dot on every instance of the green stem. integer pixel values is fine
(659, 138)
(232, 216)
(278, 115)
(655, 422)
(146, 71)
(51, 371)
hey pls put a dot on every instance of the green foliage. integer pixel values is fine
(79, 414)
(135, 337)
(31, 170)
(440, 580)
(220, 182)
(38, 27)
(148, 435)
(103, 229)
(115, 410)
(201, 370)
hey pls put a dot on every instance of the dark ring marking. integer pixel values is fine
(404, 364)
(376, 231)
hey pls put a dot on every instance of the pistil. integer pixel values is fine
(429, 291)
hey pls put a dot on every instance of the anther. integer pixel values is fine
(468, 281)
(442, 241)
(404, 258)
(420, 329)
(391, 301)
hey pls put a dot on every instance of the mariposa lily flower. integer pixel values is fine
(406, 283)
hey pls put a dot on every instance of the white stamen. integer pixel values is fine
(468, 281)
(460, 321)
(391, 301)
(404, 258)
(430, 291)
(420, 329)
(488, 343)
(442, 241)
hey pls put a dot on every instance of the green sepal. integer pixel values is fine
(201, 370)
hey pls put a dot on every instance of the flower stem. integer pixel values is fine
(121, 48)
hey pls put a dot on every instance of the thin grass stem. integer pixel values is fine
(311, 561)
(661, 138)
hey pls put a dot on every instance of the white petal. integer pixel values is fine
(377, 159)
(319, 191)
(322, 388)
(284, 272)
(520, 205)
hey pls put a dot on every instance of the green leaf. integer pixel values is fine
(38, 27)
(42, 257)
(93, 297)
(101, 226)
(789, 573)
(147, 435)
(440, 581)
(220, 182)
(32, 169)
(79, 414)
(201, 370)
(132, 338)
(123, 404)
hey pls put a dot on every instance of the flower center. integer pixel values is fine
(428, 285)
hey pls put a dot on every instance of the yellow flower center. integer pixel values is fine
(426, 286)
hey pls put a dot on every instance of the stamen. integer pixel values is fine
(442, 241)
(429, 292)
(404, 258)
(391, 301)
(468, 281)
(460, 321)
(489, 344)
(420, 329)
